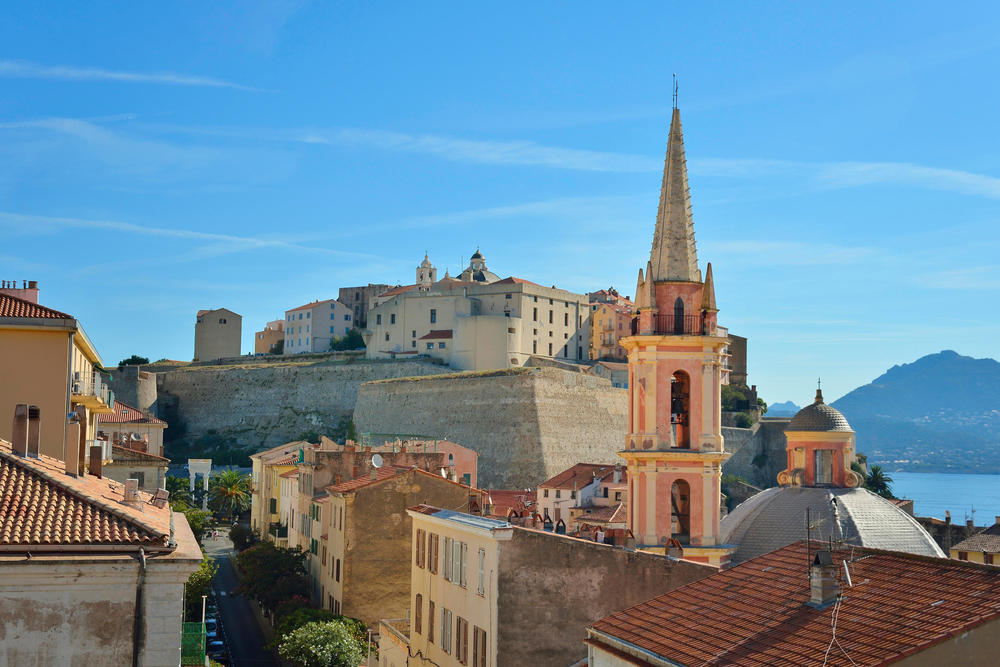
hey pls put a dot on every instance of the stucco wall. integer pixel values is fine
(527, 424)
(551, 587)
(267, 405)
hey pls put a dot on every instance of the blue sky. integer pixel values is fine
(844, 162)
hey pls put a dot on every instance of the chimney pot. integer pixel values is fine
(32, 284)
(34, 430)
(823, 588)
(72, 443)
(132, 492)
(969, 524)
(19, 437)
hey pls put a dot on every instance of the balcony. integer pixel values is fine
(686, 325)
(88, 389)
(278, 531)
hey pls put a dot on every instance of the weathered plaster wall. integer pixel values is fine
(758, 453)
(551, 587)
(265, 405)
(377, 542)
(527, 424)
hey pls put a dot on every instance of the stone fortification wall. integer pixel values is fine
(264, 405)
(758, 453)
(134, 387)
(527, 424)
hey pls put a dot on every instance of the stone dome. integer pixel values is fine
(776, 517)
(477, 254)
(819, 417)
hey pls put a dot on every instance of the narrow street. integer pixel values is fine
(241, 631)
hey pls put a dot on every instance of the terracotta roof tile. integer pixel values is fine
(41, 505)
(581, 475)
(12, 306)
(126, 414)
(311, 305)
(289, 474)
(987, 540)
(399, 289)
(899, 604)
(381, 475)
(436, 334)
(518, 500)
(123, 455)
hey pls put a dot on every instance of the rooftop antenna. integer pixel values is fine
(675, 90)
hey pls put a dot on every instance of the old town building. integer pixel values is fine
(314, 326)
(217, 334)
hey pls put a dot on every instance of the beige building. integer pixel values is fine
(616, 372)
(611, 315)
(983, 547)
(133, 429)
(217, 334)
(50, 365)
(484, 592)
(266, 502)
(75, 559)
(148, 469)
(265, 340)
(314, 326)
(480, 324)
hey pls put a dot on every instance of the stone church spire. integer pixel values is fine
(674, 256)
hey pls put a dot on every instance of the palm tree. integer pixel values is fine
(878, 482)
(229, 492)
(180, 490)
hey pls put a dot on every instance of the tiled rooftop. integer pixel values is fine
(41, 505)
(516, 499)
(124, 455)
(311, 305)
(616, 513)
(126, 414)
(987, 541)
(437, 334)
(382, 474)
(581, 475)
(755, 614)
(12, 306)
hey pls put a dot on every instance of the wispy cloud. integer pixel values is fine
(970, 278)
(230, 242)
(27, 70)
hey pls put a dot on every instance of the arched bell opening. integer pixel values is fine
(680, 410)
(680, 511)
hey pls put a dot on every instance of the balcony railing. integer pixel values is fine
(670, 325)
(278, 531)
(91, 384)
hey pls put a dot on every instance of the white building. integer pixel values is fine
(312, 327)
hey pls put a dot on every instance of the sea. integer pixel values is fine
(966, 496)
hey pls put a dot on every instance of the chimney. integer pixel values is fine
(95, 460)
(374, 474)
(618, 475)
(996, 519)
(823, 588)
(72, 444)
(19, 437)
(34, 430)
(132, 492)
(27, 291)
(947, 532)
(968, 522)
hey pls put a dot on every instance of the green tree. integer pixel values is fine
(351, 341)
(291, 622)
(198, 584)
(229, 492)
(273, 574)
(134, 360)
(329, 644)
(743, 420)
(762, 405)
(878, 482)
(198, 520)
(278, 347)
(180, 490)
(242, 538)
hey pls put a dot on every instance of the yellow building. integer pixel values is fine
(132, 428)
(51, 365)
(265, 500)
(265, 340)
(610, 322)
(983, 547)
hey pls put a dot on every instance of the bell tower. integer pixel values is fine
(674, 448)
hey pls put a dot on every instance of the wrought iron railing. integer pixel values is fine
(667, 325)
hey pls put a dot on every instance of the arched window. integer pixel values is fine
(680, 409)
(679, 315)
(680, 511)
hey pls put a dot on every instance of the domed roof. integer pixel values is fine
(426, 264)
(477, 254)
(819, 417)
(776, 517)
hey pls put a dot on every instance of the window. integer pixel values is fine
(430, 620)
(333, 316)
(392, 318)
(418, 613)
(618, 495)
(824, 466)
(222, 321)
(550, 302)
(433, 541)
(273, 505)
(347, 317)
(430, 346)
(534, 347)
(963, 555)
(141, 478)
(387, 335)
(308, 316)
(454, 561)
(324, 556)
(300, 316)
(605, 492)
(566, 318)
(413, 343)
(446, 562)
(550, 348)
(478, 647)
(550, 317)
(440, 346)
(331, 330)
(434, 315)
(462, 640)
(378, 319)
(508, 296)
(988, 558)
(446, 630)
(558, 493)
(545, 493)
(413, 333)
(421, 545)
(534, 314)
(481, 587)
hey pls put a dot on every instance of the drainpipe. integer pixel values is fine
(69, 397)
(139, 624)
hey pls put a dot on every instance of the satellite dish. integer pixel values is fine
(377, 460)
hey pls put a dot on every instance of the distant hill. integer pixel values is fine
(785, 409)
(941, 412)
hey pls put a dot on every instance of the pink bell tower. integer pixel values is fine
(674, 447)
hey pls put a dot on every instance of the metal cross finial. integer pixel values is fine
(819, 383)
(675, 90)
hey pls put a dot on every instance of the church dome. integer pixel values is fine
(776, 517)
(477, 254)
(819, 417)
